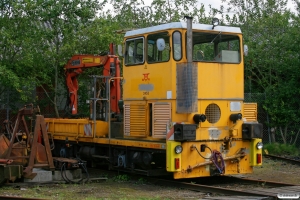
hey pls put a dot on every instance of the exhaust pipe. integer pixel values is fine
(187, 77)
(189, 39)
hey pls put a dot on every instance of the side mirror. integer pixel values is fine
(130, 52)
(161, 44)
(245, 50)
(120, 50)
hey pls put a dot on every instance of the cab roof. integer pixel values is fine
(183, 25)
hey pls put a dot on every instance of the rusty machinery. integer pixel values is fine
(22, 150)
(25, 150)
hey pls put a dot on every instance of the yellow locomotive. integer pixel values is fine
(181, 111)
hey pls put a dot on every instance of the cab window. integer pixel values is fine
(134, 53)
(158, 47)
(216, 47)
(177, 48)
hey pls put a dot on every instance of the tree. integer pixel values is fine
(135, 14)
(58, 24)
(283, 105)
(270, 30)
(95, 39)
(37, 39)
(17, 61)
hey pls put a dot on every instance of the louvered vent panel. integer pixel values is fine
(127, 120)
(135, 120)
(250, 111)
(161, 118)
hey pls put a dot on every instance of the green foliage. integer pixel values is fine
(141, 181)
(135, 14)
(282, 149)
(270, 31)
(122, 178)
(37, 38)
(17, 61)
(96, 37)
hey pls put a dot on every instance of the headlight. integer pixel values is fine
(178, 149)
(259, 145)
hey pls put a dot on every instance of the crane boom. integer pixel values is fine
(78, 63)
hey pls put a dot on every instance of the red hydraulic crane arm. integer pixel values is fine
(77, 64)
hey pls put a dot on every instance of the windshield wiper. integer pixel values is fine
(215, 37)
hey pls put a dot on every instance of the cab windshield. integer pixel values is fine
(216, 47)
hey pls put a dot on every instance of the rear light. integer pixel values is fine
(258, 156)
(177, 163)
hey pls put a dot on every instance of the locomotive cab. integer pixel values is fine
(184, 83)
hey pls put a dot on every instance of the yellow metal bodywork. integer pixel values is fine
(77, 128)
(223, 81)
(191, 158)
(218, 83)
(171, 156)
(158, 76)
(215, 80)
(73, 129)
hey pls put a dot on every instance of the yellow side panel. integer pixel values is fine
(250, 111)
(254, 152)
(101, 129)
(171, 155)
(139, 143)
(76, 128)
(222, 81)
(151, 81)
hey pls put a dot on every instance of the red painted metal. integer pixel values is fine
(6, 161)
(111, 67)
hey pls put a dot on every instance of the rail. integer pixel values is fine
(260, 189)
(293, 161)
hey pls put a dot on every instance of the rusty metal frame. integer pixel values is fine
(39, 132)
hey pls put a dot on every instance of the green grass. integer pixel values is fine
(282, 149)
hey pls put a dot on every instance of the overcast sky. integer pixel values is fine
(217, 3)
(213, 3)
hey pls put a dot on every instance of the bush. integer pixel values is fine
(282, 149)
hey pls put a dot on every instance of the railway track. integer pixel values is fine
(219, 185)
(292, 161)
(215, 180)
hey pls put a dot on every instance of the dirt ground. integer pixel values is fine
(278, 171)
(124, 187)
